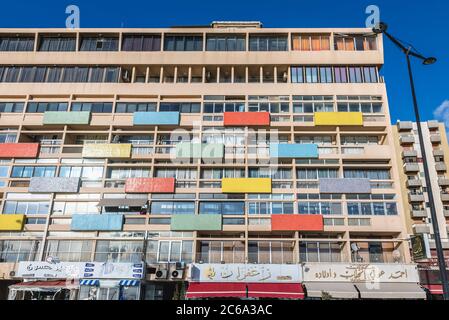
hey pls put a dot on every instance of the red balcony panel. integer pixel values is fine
(297, 222)
(150, 185)
(246, 118)
(19, 150)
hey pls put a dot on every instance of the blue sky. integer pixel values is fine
(425, 25)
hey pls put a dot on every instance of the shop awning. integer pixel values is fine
(239, 290)
(216, 290)
(390, 291)
(129, 283)
(434, 288)
(48, 286)
(339, 290)
(89, 282)
(275, 290)
(122, 202)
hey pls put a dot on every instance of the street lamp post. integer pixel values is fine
(409, 52)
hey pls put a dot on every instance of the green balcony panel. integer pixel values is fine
(61, 117)
(190, 222)
(199, 150)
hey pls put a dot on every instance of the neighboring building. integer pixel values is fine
(94, 180)
(414, 188)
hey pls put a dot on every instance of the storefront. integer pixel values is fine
(361, 281)
(78, 281)
(243, 281)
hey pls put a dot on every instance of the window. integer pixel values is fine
(118, 251)
(224, 208)
(274, 173)
(372, 208)
(355, 42)
(324, 208)
(183, 43)
(320, 252)
(21, 43)
(40, 107)
(179, 174)
(183, 107)
(96, 107)
(355, 75)
(373, 174)
(69, 208)
(314, 42)
(312, 173)
(275, 252)
(52, 43)
(28, 208)
(340, 75)
(169, 251)
(83, 172)
(269, 207)
(326, 75)
(141, 42)
(8, 137)
(124, 173)
(28, 172)
(267, 42)
(172, 207)
(98, 43)
(69, 250)
(130, 107)
(11, 106)
(225, 42)
(19, 250)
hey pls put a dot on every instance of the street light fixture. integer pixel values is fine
(411, 52)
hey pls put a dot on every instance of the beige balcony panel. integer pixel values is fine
(419, 214)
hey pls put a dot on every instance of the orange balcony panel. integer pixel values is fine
(297, 222)
(19, 150)
(150, 185)
(246, 118)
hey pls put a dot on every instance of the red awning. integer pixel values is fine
(238, 290)
(44, 284)
(276, 290)
(216, 290)
(434, 288)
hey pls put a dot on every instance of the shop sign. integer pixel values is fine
(269, 273)
(360, 272)
(94, 270)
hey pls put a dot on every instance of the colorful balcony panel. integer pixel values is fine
(107, 150)
(236, 119)
(19, 150)
(60, 117)
(293, 150)
(246, 185)
(150, 185)
(54, 184)
(12, 222)
(297, 222)
(97, 222)
(338, 119)
(192, 222)
(347, 185)
(156, 118)
(200, 150)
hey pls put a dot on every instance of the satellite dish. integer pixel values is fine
(354, 247)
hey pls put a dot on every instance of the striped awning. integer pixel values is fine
(129, 283)
(89, 282)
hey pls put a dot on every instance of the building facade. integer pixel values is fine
(414, 189)
(189, 150)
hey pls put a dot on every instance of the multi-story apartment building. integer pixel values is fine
(414, 188)
(230, 160)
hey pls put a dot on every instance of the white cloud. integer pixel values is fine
(442, 113)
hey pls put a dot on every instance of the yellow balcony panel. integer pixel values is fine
(338, 119)
(246, 185)
(12, 222)
(107, 150)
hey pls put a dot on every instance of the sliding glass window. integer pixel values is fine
(268, 43)
(141, 42)
(16, 43)
(96, 43)
(51, 43)
(183, 43)
(225, 42)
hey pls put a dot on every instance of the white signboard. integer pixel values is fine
(80, 270)
(246, 273)
(359, 272)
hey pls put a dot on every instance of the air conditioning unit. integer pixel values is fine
(161, 273)
(177, 271)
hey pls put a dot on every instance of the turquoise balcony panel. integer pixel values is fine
(97, 222)
(294, 150)
(156, 118)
